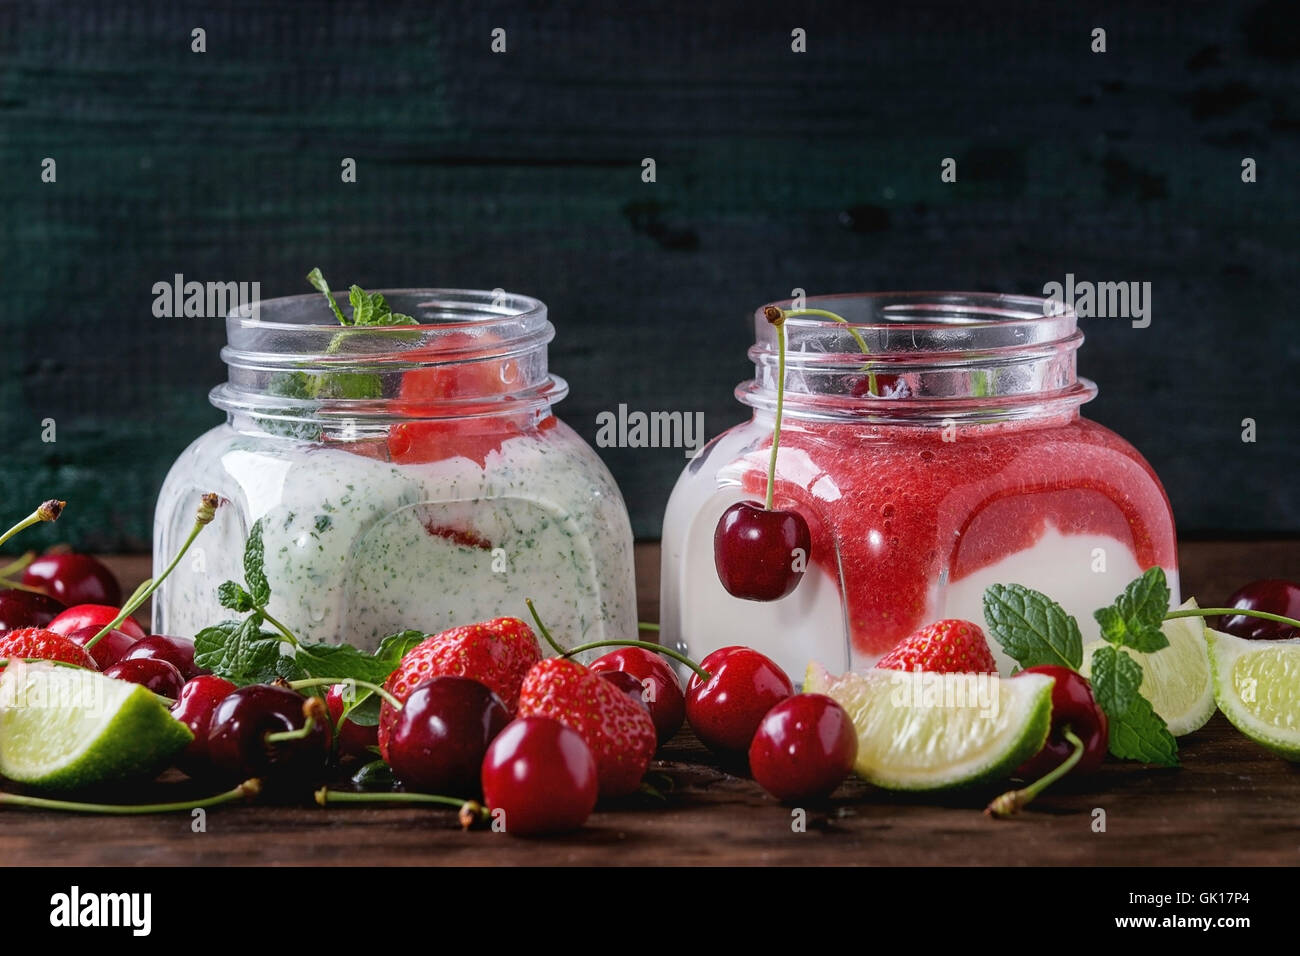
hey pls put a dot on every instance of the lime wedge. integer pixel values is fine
(1257, 686)
(63, 728)
(922, 731)
(1175, 679)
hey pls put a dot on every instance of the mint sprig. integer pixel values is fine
(1034, 630)
(1134, 619)
(1031, 627)
(244, 653)
(368, 308)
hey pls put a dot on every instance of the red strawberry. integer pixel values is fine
(618, 730)
(497, 653)
(944, 647)
(36, 642)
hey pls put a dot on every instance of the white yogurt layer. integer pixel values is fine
(358, 548)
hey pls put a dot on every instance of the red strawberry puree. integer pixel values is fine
(896, 506)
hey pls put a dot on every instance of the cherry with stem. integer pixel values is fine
(1010, 803)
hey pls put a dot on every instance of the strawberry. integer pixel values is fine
(496, 653)
(37, 642)
(944, 647)
(618, 729)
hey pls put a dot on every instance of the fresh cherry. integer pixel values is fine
(628, 685)
(743, 686)
(73, 579)
(157, 675)
(1073, 706)
(658, 686)
(238, 744)
(96, 616)
(804, 748)
(354, 740)
(1271, 596)
(760, 554)
(541, 776)
(442, 733)
(19, 609)
(109, 649)
(174, 650)
(194, 706)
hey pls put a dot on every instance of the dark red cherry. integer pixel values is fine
(239, 744)
(726, 709)
(441, 734)
(1272, 596)
(1073, 706)
(73, 579)
(194, 706)
(539, 777)
(109, 649)
(96, 616)
(174, 650)
(760, 555)
(157, 675)
(659, 689)
(19, 609)
(804, 748)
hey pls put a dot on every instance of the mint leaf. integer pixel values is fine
(1116, 678)
(340, 661)
(364, 308)
(364, 710)
(320, 285)
(395, 646)
(1140, 734)
(239, 651)
(233, 596)
(254, 574)
(1134, 619)
(1031, 627)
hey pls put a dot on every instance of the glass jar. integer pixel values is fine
(949, 457)
(404, 477)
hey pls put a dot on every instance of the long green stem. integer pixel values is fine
(647, 626)
(542, 627)
(780, 407)
(282, 736)
(288, 634)
(330, 681)
(326, 796)
(1218, 611)
(1011, 802)
(857, 337)
(48, 511)
(657, 648)
(19, 564)
(207, 508)
(248, 788)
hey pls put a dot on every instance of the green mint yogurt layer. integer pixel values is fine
(357, 548)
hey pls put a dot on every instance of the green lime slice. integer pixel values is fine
(63, 728)
(922, 731)
(1175, 679)
(1257, 686)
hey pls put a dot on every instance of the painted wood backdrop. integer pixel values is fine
(523, 169)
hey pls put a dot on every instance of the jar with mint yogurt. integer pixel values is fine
(405, 477)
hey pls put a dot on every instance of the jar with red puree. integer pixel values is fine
(933, 444)
(401, 476)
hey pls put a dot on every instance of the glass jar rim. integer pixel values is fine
(918, 357)
(491, 308)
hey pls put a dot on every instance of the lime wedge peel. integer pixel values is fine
(1257, 686)
(63, 729)
(1175, 679)
(926, 731)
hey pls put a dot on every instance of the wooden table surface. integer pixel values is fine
(1230, 803)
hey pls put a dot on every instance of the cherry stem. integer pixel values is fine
(207, 509)
(41, 660)
(19, 586)
(646, 645)
(647, 626)
(857, 337)
(1011, 801)
(330, 681)
(18, 565)
(325, 796)
(288, 634)
(281, 736)
(48, 511)
(777, 318)
(248, 788)
(1217, 611)
(542, 627)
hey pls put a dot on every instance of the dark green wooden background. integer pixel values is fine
(523, 170)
